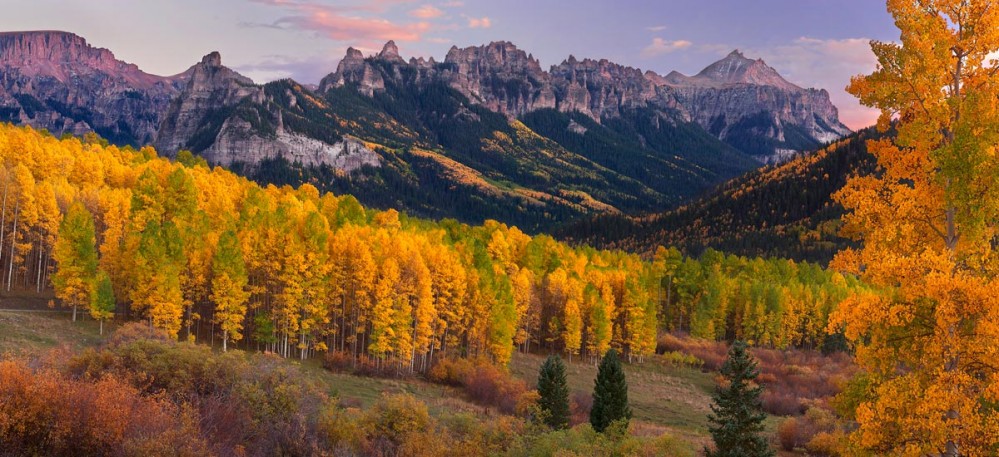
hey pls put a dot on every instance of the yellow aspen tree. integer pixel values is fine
(76, 257)
(424, 313)
(383, 314)
(928, 221)
(448, 283)
(572, 316)
(523, 292)
(229, 292)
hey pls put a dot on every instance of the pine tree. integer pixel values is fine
(610, 394)
(554, 392)
(737, 412)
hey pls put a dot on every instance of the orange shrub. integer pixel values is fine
(44, 413)
(486, 384)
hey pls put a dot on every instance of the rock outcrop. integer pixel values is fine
(228, 119)
(57, 81)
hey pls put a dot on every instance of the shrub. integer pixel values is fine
(788, 434)
(486, 384)
(580, 404)
(452, 372)
(137, 331)
(825, 444)
(254, 403)
(394, 417)
(44, 413)
(680, 359)
(364, 365)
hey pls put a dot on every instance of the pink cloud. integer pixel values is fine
(660, 46)
(427, 12)
(343, 28)
(346, 22)
(479, 23)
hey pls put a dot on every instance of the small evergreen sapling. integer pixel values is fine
(554, 391)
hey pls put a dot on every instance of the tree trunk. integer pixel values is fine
(38, 274)
(74, 312)
(13, 242)
(3, 222)
(225, 340)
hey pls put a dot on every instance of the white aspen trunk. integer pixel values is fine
(13, 241)
(38, 274)
(101, 326)
(225, 340)
(74, 312)
(3, 222)
(305, 346)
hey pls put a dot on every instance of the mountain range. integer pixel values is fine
(486, 133)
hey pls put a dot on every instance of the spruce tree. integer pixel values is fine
(554, 391)
(737, 413)
(610, 394)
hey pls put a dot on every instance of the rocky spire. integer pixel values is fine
(213, 59)
(390, 52)
(353, 54)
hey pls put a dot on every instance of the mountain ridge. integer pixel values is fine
(518, 143)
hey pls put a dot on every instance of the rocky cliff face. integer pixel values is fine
(57, 81)
(210, 89)
(228, 119)
(741, 101)
(747, 103)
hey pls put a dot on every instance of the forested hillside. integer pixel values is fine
(784, 211)
(299, 272)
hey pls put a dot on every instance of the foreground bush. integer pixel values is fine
(45, 413)
(250, 405)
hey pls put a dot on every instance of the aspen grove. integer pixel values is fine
(296, 272)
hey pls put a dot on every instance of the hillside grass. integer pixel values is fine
(662, 397)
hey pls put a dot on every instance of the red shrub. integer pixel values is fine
(485, 384)
(488, 385)
(44, 413)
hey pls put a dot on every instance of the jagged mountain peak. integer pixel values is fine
(736, 68)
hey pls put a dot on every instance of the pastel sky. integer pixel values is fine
(813, 43)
